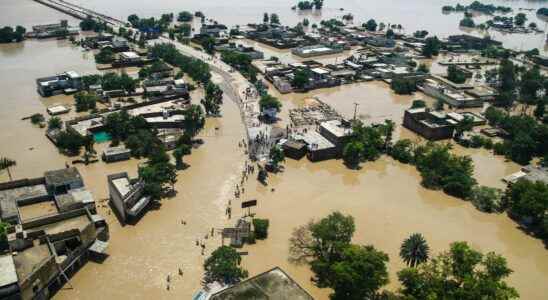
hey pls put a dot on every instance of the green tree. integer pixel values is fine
(301, 78)
(528, 202)
(194, 120)
(486, 199)
(267, 101)
(370, 25)
(85, 101)
(402, 151)
(185, 16)
(37, 119)
(418, 104)
(353, 154)
(208, 43)
(55, 123)
(467, 22)
(460, 273)
(359, 274)
(540, 109)
(223, 266)
(261, 228)
(70, 142)
(423, 68)
(455, 75)
(520, 19)
(274, 19)
(276, 156)
(178, 154)
(265, 18)
(322, 243)
(105, 56)
(466, 124)
(414, 250)
(6, 164)
(431, 47)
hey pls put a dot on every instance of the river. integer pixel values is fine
(385, 197)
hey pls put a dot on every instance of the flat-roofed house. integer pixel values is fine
(127, 198)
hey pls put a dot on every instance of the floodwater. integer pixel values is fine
(385, 197)
(412, 15)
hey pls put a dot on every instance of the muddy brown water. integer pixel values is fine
(385, 197)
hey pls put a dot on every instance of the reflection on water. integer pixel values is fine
(385, 197)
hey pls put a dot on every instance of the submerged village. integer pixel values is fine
(335, 158)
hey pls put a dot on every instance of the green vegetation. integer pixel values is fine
(195, 68)
(431, 47)
(6, 164)
(223, 266)
(37, 119)
(194, 120)
(352, 271)
(85, 101)
(527, 202)
(543, 11)
(274, 19)
(467, 22)
(414, 250)
(111, 81)
(185, 16)
(157, 172)
(520, 19)
(240, 62)
(460, 273)
(301, 79)
(439, 168)
(151, 24)
(55, 123)
(487, 9)
(267, 102)
(8, 35)
(418, 104)
(90, 24)
(526, 137)
(276, 156)
(70, 142)
(261, 228)
(4, 245)
(486, 199)
(370, 25)
(156, 67)
(213, 99)
(403, 86)
(105, 56)
(366, 143)
(420, 34)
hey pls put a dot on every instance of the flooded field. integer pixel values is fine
(385, 197)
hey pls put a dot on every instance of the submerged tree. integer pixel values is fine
(414, 250)
(6, 164)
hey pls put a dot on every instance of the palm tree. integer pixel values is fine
(414, 250)
(6, 163)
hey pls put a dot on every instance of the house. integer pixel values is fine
(272, 284)
(294, 149)
(57, 109)
(215, 30)
(315, 50)
(243, 50)
(63, 180)
(471, 42)
(53, 229)
(451, 96)
(127, 197)
(130, 57)
(336, 131)
(379, 41)
(67, 82)
(113, 154)
(430, 125)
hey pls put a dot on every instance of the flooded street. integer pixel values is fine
(385, 197)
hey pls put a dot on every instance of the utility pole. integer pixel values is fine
(355, 110)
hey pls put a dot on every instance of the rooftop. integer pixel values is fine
(336, 128)
(8, 275)
(273, 284)
(62, 176)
